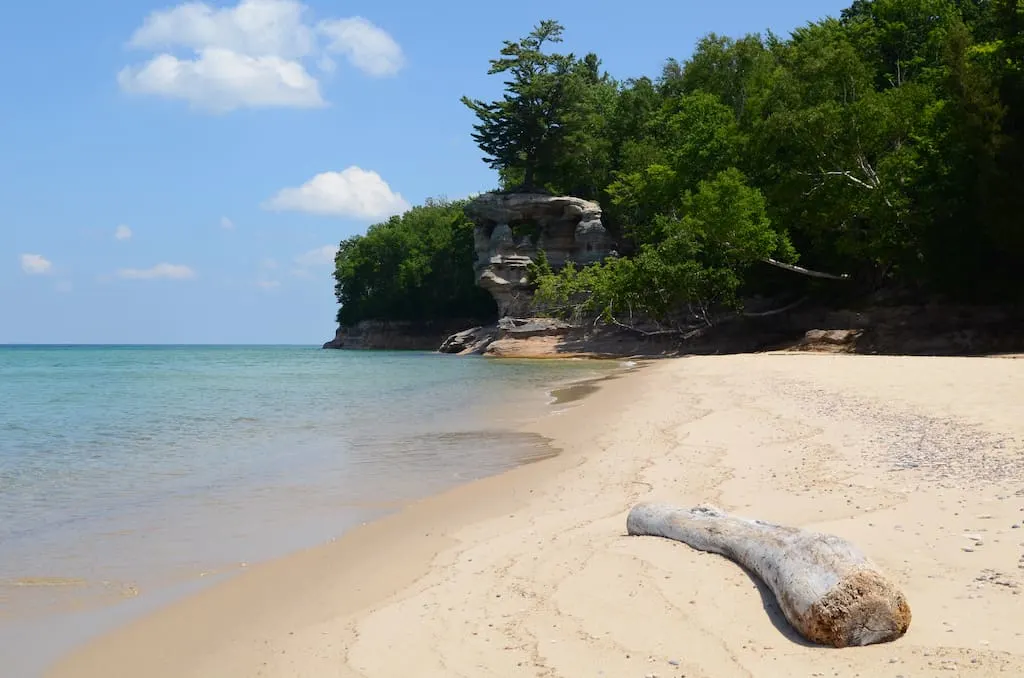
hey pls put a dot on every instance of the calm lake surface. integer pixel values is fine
(132, 474)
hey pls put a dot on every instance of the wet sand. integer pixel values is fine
(916, 460)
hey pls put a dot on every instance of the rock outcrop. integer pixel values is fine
(512, 227)
(469, 342)
(394, 335)
(551, 338)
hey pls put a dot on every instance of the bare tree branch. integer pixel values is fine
(776, 311)
(849, 176)
(806, 271)
(646, 333)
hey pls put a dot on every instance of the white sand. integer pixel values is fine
(916, 460)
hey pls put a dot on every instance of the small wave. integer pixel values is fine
(574, 392)
(47, 581)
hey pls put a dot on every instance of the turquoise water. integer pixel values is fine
(128, 472)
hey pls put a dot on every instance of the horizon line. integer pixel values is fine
(143, 344)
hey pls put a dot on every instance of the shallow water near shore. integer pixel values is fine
(130, 475)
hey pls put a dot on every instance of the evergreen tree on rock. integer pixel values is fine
(522, 132)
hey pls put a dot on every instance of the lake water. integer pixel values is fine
(131, 474)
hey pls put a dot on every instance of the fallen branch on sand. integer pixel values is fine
(829, 591)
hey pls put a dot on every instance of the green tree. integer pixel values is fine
(697, 266)
(691, 137)
(738, 72)
(958, 193)
(524, 130)
(887, 143)
(582, 164)
(416, 267)
(837, 158)
(901, 38)
(1008, 70)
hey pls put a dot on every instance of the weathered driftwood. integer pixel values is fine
(828, 590)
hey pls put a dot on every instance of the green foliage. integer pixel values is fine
(691, 136)
(583, 161)
(737, 72)
(539, 268)
(525, 129)
(696, 265)
(417, 266)
(550, 130)
(887, 143)
(873, 140)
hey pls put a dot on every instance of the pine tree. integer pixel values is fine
(520, 133)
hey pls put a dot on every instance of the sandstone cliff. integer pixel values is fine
(512, 227)
(510, 230)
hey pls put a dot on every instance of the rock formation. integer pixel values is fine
(394, 335)
(512, 227)
(552, 338)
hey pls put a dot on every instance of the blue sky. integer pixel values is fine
(179, 173)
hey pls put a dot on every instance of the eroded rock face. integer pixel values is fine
(394, 335)
(512, 227)
(551, 338)
(468, 342)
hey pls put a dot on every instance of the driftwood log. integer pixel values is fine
(829, 591)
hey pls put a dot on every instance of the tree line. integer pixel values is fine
(884, 147)
(417, 267)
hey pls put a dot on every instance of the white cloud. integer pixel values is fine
(168, 271)
(226, 223)
(35, 264)
(352, 192)
(254, 54)
(269, 264)
(220, 80)
(320, 256)
(268, 284)
(123, 232)
(368, 48)
(251, 27)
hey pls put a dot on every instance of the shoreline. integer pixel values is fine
(529, 572)
(922, 328)
(262, 473)
(122, 623)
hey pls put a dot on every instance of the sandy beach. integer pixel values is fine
(918, 461)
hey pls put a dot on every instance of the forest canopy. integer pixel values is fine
(886, 144)
(415, 267)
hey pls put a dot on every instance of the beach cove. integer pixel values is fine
(530, 572)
